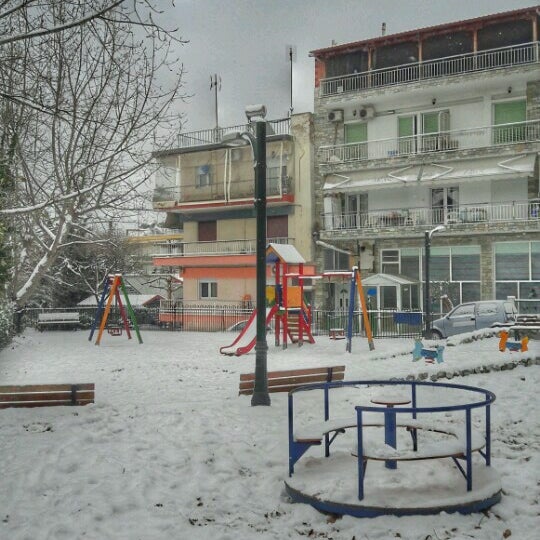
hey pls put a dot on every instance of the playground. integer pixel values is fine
(169, 449)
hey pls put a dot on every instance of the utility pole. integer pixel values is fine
(215, 83)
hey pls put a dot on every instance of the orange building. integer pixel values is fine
(208, 188)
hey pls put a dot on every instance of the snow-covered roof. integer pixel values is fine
(387, 279)
(286, 253)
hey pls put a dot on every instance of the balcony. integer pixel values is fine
(448, 141)
(219, 247)
(170, 197)
(215, 136)
(481, 61)
(465, 217)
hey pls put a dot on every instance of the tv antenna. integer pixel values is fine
(215, 83)
(291, 57)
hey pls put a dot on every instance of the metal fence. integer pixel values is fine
(222, 318)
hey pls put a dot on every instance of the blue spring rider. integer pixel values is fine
(431, 354)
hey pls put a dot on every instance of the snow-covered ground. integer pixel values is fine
(169, 449)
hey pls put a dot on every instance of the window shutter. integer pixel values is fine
(356, 133)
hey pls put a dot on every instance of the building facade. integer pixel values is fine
(435, 126)
(208, 188)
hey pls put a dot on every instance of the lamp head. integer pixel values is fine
(255, 112)
(438, 228)
(235, 139)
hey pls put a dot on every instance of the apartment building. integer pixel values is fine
(208, 187)
(433, 126)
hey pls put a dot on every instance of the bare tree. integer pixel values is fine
(82, 104)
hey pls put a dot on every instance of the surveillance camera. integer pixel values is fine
(255, 111)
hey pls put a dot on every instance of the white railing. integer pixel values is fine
(276, 186)
(215, 135)
(456, 215)
(503, 57)
(452, 140)
(220, 247)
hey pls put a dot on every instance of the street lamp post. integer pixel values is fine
(427, 299)
(256, 116)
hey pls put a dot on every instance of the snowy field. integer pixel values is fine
(170, 451)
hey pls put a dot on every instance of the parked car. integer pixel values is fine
(473, 316)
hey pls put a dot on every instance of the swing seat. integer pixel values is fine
(115, 330)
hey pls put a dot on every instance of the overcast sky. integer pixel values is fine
(245, 43)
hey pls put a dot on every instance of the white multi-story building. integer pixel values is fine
(433, 126)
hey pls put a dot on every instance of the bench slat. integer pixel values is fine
(272, 389)
(293, 372)
(46, 395)
(294, 381)
(285, 381)
(45, 387)
(28, 404)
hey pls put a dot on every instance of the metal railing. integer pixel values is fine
(216, 191)
(219, 247)
(504, 57)
(450, 215)
(384, 323)
(452, 140)
(215, 135)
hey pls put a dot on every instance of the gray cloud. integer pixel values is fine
(244, 42)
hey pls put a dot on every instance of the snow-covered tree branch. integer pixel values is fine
(80, 107)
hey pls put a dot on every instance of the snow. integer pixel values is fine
(169, 449)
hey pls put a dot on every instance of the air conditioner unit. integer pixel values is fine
(366, 113)
(335, 115)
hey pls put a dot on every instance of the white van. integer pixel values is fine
(473, 316)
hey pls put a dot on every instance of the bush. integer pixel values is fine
(6, 323)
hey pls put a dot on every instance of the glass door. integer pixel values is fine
(444, 204)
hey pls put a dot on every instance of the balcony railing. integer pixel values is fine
(515, 55)
(215, 135)
(216, 191)
(463, 139)
(219, 247)
(456, 215)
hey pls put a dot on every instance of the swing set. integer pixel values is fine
(113, 285)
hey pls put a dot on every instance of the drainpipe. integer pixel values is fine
(330, 246)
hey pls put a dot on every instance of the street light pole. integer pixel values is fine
(255, 115)
(260, 390)
(427, 298)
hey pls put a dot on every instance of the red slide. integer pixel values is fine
(247, 338)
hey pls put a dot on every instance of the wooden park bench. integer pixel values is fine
(46, 395)
(285, 381)
(62, 320)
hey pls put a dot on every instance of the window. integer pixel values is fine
(277, 227)
(425, 132)
(333, 260)
(357, 133)
(454, 271)
(204, 176)
(208, 289)
(508, 113)
(274, 179)
(207, 231)
(390, 261)
(354, 210)
(445, 205)
(406, 134)
(435, 126)
(463, 311)
(517, 269)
